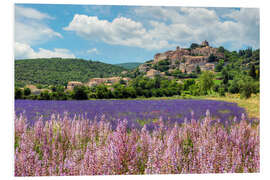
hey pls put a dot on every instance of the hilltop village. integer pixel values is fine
(185, 59)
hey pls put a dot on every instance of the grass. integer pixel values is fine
(217, 82)
(224, 111)
(252, 105)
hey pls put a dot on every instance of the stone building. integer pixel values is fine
(72, 84)
(107, 81)
(205, 43)
(152, 73)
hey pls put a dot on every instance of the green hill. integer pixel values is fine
(58, 71)
(129, 66)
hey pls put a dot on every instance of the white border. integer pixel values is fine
(187, 3)
(7, 80)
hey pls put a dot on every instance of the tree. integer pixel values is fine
(102, 92)
(162, 65)
(221, 90)
(45, 95)
(122, 81)
(234, 86)
(206, 82)
(248, 52)
(252, 71)
(61, 95)
(221, 49)
(258, 74)
(18, 93)
(247, 86)
(198, 69)
(26, 91)
(131, 92)
(194, 45)
(225, 76)
(188, 83)
(53, 88)
(80, 93)
(219, 66)
(194, 90)
(157, 81)
(241, 52)
(212, 58)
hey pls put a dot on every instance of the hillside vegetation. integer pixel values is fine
(58, 71)
(130, 66)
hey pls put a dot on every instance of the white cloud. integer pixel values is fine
(157, 13)
(218, 25)
(30, 27)
(25, 51)
(33, 33)
(30, 13)
(248, 20)
(164, 27)
(121, 31)
(93, 50)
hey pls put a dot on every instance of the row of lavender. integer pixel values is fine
(137, 112)
(64, 146)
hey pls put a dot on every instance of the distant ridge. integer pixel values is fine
(130, 66)
(58, 71)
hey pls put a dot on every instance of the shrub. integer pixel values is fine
(26, 91)
(194, 90)
(216, 87)
(221, 91)
(18, 93)
(45, 95)
(80, 93)
(234, 87)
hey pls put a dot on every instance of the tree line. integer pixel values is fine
(158, 86)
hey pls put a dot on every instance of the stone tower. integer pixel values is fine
(205, 43)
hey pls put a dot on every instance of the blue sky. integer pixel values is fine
(119, 34)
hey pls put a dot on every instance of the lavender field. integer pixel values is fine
(133, 137)
(136, 112)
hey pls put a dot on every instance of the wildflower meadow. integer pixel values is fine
(64, 146)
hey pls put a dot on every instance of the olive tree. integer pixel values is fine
(206, 82)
